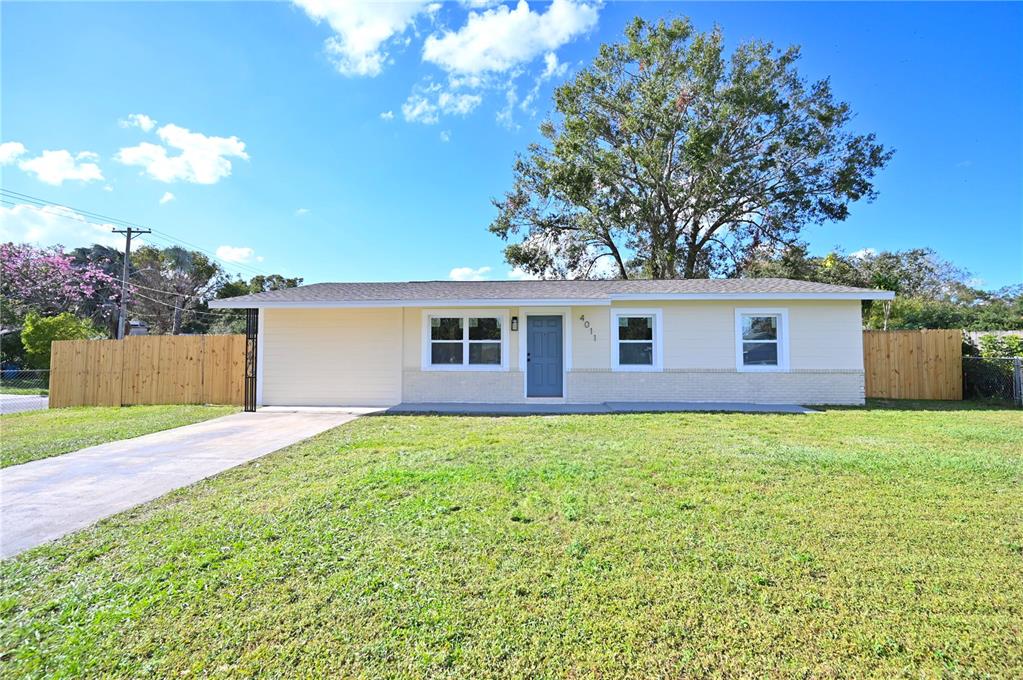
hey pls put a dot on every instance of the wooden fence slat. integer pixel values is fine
(178, 369)
(223, 369)
(186, 369)
(924, 364)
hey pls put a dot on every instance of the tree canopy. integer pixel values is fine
(169, 284)
(47, 294)
(669, 158)
(931, 292)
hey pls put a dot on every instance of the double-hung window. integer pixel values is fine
(636, 336)
(761, 339)
(464, 341)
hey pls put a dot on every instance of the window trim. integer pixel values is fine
(426, 354)
(658, 339)
(783, 339)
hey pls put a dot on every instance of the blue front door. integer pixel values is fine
(544, 367)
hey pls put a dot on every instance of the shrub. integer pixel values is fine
(992, 345)
(39, 331)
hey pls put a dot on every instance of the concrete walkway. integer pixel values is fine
(46, 499)
(603, 407)
(16, 403)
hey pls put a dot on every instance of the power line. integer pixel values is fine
(42, 202)
(241, 267)
(180, 309)
(126, 266)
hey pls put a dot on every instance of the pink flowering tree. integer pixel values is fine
(47, 281)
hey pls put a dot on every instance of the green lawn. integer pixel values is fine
(50, 432)
(8, 389)
(857, 542)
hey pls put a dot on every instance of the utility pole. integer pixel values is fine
(122, 321)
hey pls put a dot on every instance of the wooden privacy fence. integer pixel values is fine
(210, 369)
(925, 364)
(148, 369)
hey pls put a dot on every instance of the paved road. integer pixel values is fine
(15, 403)
(45, 499)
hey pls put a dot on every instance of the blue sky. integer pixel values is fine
(365, 144)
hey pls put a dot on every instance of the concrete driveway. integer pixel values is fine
(46, 499)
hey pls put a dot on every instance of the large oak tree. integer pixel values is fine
(669, 158)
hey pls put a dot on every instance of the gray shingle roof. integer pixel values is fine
(440, 292)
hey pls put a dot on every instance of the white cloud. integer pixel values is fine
(419, 109)
(501, 38)
(237, 254)
(56, 167)
(469, 274)
(50, 225)
(362, 30)
(553, 68)
(427, 105)
(504, 116)
(520, 275)
(301, 212)
(167, 197)
(139, 120)
(863, 253)
(10, 151)
(387, 115)
(445, 136)
(203, 160)
(460, 104)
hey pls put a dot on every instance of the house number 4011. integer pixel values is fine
(588, 326)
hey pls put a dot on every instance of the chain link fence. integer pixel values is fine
(994, 378)
(25, 381)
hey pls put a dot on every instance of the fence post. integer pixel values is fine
(1018, 381)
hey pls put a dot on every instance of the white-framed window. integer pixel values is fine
(456, 340)
(761, 339)
(636, 343)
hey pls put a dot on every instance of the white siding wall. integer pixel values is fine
(374, 356)
(826, 359)
(332, 357)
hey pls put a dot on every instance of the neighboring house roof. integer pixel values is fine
(543, 293)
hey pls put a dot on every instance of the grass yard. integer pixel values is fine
(881, 542)
(32, 435)
(34, 391)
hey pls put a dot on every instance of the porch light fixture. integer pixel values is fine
(515, 323)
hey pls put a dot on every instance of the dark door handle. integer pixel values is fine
(529, 356)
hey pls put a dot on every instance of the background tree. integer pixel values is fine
(39, 331)
(169, 285)
(102, 308)
(670, 159)
(931, 292)
(46, 281)
(233, 320)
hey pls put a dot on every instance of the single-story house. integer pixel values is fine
(708, 340)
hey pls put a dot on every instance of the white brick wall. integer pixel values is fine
(463, 386)
(795, 387)
(595, 386)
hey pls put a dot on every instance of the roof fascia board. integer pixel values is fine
(486, 302)
(866, 295)
(541, 302)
